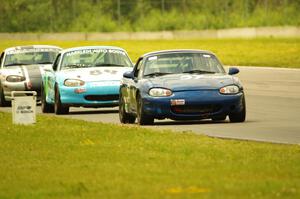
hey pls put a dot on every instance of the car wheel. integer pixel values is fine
(46, 107)
(3, 102)
(125, 118)
(219, 118)
(59, 108)
(239, 116)
(142, 117)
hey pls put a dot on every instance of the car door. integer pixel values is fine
(50, 78)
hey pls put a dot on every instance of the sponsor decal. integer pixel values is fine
(95, 72)
(24, 109)
(80, 90)
(116, 51)
(32, 50)
(100, 72)
(94, 51)
(152, 58)
(188, 77)
(113, 72)
(176, 102)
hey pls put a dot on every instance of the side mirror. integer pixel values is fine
(233, 71)
(128, 74)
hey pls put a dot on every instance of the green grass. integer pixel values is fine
(244, 52)
(74, 159)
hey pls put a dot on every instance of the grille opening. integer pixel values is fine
(102, 97)
(196, 109)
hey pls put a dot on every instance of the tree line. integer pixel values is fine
(143, 15)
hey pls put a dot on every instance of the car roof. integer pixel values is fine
(91, 47)
(31, 47)
(176, 51)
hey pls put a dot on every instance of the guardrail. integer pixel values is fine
(277, 32)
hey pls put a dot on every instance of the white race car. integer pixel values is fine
(22, 67)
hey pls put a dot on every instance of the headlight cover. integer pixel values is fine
(229, 90)
(15, 78)
(160, 92)
(73, 82)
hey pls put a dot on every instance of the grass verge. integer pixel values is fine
(63, 158)
(244, 52)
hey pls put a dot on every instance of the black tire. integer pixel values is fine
(124, 117)
(59, 108)
(3, 102)
(46, 107)
(142, 117)
(239, 116)
(219, 118)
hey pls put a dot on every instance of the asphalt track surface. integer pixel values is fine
(273, 110)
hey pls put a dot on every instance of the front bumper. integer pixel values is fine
(90, 96)
(8, 87)
(197, 105)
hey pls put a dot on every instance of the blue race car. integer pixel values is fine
(84, 76)
(180, 85)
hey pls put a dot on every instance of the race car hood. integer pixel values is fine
(94, 73)
(180, 82)
(28, 71)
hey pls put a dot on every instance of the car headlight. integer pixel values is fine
(15, 78)
(232, 89)
(73, 82)
(160, 92)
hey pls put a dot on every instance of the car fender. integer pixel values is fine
(49, 83)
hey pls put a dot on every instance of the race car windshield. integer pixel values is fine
(30, 57)
(95, 58)
(174, 63)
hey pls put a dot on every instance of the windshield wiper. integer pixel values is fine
(199, 71)
(15, 64)
(73, 66)
(106, 64)
(156, 74)
(46, 62)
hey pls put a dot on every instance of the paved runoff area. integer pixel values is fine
(273, 110)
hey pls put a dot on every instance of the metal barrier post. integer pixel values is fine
(23, 107)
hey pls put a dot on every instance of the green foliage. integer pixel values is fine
(143, 15)
(77, 159)
(84, 23)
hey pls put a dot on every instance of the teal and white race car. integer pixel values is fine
(84, 77)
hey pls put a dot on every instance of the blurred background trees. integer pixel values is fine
(143, 15)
